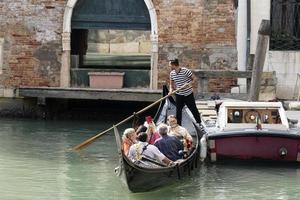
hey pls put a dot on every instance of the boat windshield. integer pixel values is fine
(251, 116)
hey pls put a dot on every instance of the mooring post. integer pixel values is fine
(259, 59)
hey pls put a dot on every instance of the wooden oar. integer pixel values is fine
(92, 139)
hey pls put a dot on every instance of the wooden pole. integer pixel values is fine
(259, 59)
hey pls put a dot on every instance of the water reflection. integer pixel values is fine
(35, 164)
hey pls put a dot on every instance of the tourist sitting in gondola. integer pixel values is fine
(147, 155)
(141, 129)
(170, 146)
(152, 133)
(180, 132)
(129, 138)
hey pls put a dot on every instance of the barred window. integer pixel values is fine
(285, 25)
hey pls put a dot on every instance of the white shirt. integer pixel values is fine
(180, 132)
(135, 152)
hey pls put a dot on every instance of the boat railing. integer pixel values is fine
(233, 126)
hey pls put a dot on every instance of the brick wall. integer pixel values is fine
(200, 33)
(32, 42)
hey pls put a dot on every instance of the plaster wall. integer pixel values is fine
(284, 63)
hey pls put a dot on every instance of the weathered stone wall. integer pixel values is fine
(32, 42)
(119, 42)
(200, 33)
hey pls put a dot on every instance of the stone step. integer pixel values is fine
(207, 109)
(208, 112)
(209, 118)
(203, 107)
(201, 102)
(210, 104)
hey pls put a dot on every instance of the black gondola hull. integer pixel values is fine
(142, 180)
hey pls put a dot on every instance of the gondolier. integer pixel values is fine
(180, 76)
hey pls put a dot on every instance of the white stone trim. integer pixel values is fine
(9, 92)
(213, 157)
(241, 37)
(71, 3)
(66, 43)
(259, 10)
(212, 144)
(67, 19)
(1, 54)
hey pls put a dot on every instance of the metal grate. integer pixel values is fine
(285, 25)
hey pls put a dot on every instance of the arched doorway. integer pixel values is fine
(66, 40)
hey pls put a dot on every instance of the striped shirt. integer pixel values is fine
(182, 77)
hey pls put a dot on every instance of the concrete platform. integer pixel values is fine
(292, 105)
(124, 94)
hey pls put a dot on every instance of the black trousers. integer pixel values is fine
(189, 101)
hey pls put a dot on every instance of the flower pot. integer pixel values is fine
(106, 80)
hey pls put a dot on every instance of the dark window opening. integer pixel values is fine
(106, 48)
(110, 36)
(285, 25)
(109, 48)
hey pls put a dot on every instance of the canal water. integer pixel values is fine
(36, 164)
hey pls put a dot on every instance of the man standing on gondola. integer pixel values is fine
(179, 76)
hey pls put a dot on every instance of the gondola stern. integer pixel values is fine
(165, 92)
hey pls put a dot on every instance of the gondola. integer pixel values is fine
(142, 179)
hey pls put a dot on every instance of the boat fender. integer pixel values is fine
(203, 151)
(118, 169)
(283, 152)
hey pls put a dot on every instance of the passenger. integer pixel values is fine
(170, 146)
(152, 133)
(146, 150)
(180, 132)
(141, 129)
(129, 138)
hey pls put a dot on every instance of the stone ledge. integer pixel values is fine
(9, 93)
(124, 94)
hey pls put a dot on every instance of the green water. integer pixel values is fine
(35, 164)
